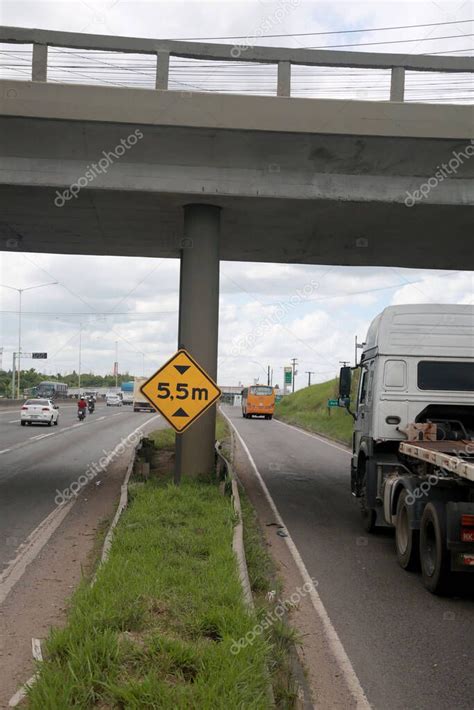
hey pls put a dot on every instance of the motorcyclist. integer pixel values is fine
(91, 404)
(82, 407)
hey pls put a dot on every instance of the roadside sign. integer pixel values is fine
(333, 403)
(39, 356)
(181, 390)
(288, 375)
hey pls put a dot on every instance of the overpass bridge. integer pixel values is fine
(207, 176)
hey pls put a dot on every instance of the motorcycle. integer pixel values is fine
(81, 414)
(91, 407)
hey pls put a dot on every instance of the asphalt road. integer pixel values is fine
(38, 461)
(410, 649)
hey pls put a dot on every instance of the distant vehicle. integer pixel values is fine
(258, 400)
(90, 405)
(140, 402)
(88, 394)
(51, 390)
(412, 462)
(40, 411)
(126, 390)
(113, 400)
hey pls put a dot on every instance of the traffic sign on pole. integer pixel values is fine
(39, 356)
(333, 403)
(181, 390)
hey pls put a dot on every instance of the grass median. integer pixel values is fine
(157, 628)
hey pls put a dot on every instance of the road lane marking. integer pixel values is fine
(28, 551)
(36, 540)
(13, 421)
(32, 439)
(314, 436)
(330, 632)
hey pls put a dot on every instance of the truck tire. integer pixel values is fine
(434, 555)
(368, 514)
(406, 539)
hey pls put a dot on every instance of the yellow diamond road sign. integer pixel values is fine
(181, 390)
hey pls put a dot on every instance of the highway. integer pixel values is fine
(38, 461)
(408, 648)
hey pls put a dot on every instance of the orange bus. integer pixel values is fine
(258, 400)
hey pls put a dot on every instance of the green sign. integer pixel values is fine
(333, 403)
(288, 374)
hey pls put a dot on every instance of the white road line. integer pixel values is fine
(34, 543)
(4, 451)
(314, 436)
(331, 634)
(99, 419)
(14, 421)
(28, 551)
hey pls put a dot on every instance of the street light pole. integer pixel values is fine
(116, 364)
(18, 359)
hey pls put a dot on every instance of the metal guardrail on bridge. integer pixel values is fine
(284, 58)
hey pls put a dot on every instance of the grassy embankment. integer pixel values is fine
(156, 629)
(308, 409)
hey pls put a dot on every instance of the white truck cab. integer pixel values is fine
(416, 381)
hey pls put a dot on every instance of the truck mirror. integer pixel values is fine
(345, 377)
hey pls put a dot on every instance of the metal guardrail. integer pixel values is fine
(283, 57)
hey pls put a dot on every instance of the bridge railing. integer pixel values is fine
(284, 58)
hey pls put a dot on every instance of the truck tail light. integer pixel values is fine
(45, 409)
(467, 521)
(24, 407)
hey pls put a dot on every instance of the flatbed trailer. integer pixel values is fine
(457, 457)
(428, 497)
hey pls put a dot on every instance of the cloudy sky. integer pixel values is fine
(311, 313)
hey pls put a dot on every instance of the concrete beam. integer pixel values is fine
(249, 113)
(284, 79)
(39, 66)
(209, 51)
(397, 84)
(162, 70)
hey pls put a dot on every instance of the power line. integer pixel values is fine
(330, 32)
(392, 41)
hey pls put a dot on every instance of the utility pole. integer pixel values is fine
(309, 373)
(13, 375)
(357, 346)
(116, 364)
(294, 361)
(268, 375)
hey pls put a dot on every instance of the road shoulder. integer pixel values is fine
(327, 682)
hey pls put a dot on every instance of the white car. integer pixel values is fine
(43, 411)
(113, 400)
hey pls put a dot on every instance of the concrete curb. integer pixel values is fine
(238, 534)
(123, 502)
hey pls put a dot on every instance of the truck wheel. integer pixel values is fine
(406, 539)
(434, 555)
(368, 514)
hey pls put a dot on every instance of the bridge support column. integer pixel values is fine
(198, 327)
